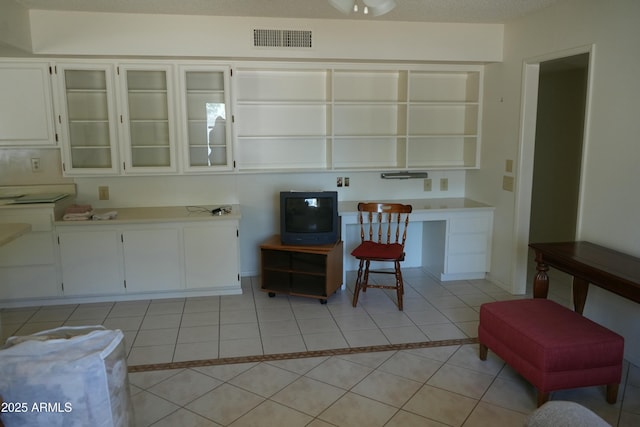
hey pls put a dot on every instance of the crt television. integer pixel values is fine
(309, 217)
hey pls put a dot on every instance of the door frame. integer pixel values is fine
(526, 149)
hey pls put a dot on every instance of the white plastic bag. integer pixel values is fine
(66, 377)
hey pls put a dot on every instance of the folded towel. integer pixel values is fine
(106, 215)
(78, 216)
(75, 209)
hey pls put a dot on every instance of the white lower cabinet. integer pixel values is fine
(211, 255)
(168, 259)
(152, 259)
(96, 261)
(91, 261)
(469, 245)
(28, 265)
(115, 261)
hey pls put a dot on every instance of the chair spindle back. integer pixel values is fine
(384, 220)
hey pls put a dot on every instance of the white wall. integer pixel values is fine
(610, 207)
(15, 166)
(14, 26)
(70, 33)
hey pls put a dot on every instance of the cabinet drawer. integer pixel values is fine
(466, 263)
(469, 224)
(467, 243)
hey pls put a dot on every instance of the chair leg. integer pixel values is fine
(365, 281)
(356, 289)
(399, 285)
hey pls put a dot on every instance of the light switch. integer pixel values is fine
(508, 166)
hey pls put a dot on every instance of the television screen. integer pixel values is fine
(309, 215)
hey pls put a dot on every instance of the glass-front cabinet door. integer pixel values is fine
(206, 134)
(146, 118)
(87, 114)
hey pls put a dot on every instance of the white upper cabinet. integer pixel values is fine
(147, 118)
(88, 116)
(206, 121)
(117, 119)
(26, 108)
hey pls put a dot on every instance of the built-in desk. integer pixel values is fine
(450, 238)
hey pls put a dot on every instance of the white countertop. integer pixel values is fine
(158, 214)
(448, 204)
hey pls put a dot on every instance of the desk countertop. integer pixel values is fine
(450, 204)
(11, 231)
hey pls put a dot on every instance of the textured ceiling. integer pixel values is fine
(481, 11)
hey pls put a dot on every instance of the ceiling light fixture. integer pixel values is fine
(376, 7)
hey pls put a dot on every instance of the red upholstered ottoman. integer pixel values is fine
(551, 346)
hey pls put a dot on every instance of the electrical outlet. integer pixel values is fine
(444, 184)
(427, 184)
(35, 165)
(339, 181)
(346, 181)
(103, 193)
(507, 183)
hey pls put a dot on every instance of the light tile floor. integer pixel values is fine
(440, 386)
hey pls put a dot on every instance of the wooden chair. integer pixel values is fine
(383, 231)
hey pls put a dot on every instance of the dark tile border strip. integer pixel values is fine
(298, 355)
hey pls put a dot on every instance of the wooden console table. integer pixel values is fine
(587, 263)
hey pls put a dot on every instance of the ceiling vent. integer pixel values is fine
(281, 38)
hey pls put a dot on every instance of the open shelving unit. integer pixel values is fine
(444, 117)
(283, 118)
(358, 118)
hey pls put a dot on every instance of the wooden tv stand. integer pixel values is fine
(308, 271)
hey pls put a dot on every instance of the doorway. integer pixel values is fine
(557, 161)
(555, 108)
